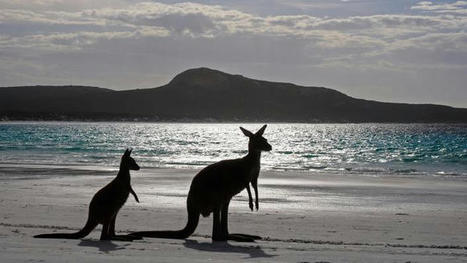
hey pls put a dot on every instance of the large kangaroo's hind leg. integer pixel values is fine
(236, 236)
(217, 231)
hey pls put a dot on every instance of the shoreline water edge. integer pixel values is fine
(399, 149)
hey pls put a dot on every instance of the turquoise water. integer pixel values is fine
(373, 149)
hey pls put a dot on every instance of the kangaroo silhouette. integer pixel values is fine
(214, 186)
(105, 205)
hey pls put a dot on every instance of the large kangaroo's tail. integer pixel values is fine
(90, 225)
(193, 218)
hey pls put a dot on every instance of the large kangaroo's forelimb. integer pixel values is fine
(254, 183)
(250, 199)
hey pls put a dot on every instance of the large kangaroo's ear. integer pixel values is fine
(127, 152)
(246, 132)
(261, 131)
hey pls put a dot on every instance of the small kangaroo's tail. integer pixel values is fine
(193, 218)
(80, 234)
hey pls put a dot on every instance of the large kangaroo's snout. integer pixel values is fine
(135, 167)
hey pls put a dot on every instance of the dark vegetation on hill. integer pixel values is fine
(203, 94)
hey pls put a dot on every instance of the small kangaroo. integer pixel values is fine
(105, 205)
(214, 186)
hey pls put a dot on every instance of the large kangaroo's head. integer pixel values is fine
(128, 162)
(257, 141)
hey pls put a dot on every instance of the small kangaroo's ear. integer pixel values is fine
(261, 131)
(246, 132)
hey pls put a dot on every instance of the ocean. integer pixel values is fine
(366, 149)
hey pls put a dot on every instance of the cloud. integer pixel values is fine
(458, 7)
(198, 20)
(351, 40)
(74, 41)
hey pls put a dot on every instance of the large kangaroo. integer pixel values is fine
(105, 205)
(214, 186)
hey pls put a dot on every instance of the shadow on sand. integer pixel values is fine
(103, 246)
(224, 247)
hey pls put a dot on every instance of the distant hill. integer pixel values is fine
(204, 94)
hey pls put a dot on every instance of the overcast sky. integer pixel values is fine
(388, 50)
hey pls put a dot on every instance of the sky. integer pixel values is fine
(386, 50)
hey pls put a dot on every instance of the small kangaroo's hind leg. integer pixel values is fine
(121, 237)
(108, 232)
(105, 235)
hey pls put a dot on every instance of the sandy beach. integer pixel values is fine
(303, 217)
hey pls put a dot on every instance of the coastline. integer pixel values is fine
(303, 216)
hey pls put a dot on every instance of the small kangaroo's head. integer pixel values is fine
(257, 141)
(128, 162)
